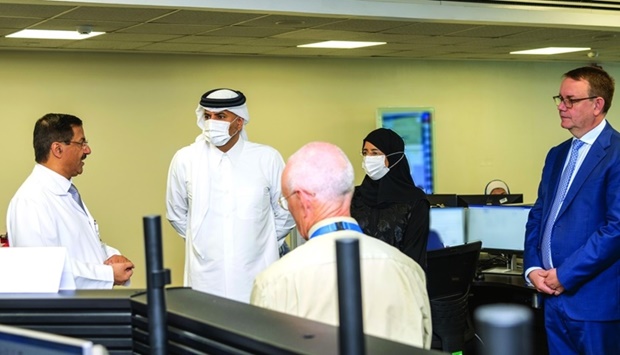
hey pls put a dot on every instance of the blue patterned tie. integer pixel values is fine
(557, 202)
(76, 196)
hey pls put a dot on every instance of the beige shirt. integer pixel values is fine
(304, 283)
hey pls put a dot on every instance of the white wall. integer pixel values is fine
(493, 120)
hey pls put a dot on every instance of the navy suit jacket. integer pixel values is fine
(586, 237)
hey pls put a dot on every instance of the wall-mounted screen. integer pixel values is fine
(449, 223)
(414, 126)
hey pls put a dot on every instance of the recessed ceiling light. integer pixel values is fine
(340, 44)
(551, 50)
(53, 34)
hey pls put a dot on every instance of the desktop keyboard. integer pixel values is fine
(502, 271)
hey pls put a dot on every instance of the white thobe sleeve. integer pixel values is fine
(176, 194)
(283, 219)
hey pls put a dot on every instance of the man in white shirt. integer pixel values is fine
(222, 197)
(44, 213)
(317, 187)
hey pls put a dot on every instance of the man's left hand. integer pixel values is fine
(553, 282)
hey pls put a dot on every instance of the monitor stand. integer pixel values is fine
(510, 269)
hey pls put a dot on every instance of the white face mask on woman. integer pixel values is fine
(374, 165)
(216, 132)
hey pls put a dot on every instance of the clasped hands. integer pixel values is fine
(546, 281)
(123, 268)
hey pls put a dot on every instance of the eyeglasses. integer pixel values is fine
(372, 152)
(568, 102)
(82, 144)
(283, 200)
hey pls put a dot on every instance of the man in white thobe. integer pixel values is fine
(222, 197)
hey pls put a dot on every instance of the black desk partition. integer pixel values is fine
(198, 323)
(101, 316)
(202, 323)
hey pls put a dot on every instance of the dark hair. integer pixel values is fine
(53, 127)
(601, 83)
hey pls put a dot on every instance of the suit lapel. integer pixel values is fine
(595, 155)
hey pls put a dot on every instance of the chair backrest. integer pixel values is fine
(450, 271)
(449, 274)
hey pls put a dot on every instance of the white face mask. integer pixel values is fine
(374, 165)
(216, 132)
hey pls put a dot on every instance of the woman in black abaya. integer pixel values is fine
(388, 205)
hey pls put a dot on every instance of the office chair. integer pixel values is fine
(450, 272)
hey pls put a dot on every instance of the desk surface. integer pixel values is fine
(497, 280)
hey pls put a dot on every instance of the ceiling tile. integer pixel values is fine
(32, 11)
(290, 21)
(364, 25)
(430, 29)
(168, 29)
(211, 39)
(241, 31)
(133, 37)
(70, 25)
(85, 13)
(17, 23)
(175, 47)
(210, 18)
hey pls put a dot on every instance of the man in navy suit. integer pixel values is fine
(572, 243)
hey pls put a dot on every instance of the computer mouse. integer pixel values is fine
(479, 277)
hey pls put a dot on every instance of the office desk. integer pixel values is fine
(102, 316)
(118, 319)
(511, 289)
(208, 324)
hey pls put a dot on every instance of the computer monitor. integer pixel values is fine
(442, 200)
(484, 200)
(499, 228)
(15, 340)
(449, 223)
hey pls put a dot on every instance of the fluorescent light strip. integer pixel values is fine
(52, 34)
(340, 44)
(551, 50)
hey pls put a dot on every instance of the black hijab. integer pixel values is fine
(397, 185)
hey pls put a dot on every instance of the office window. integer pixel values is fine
(414, 125)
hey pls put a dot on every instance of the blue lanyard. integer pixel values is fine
(337, 226)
